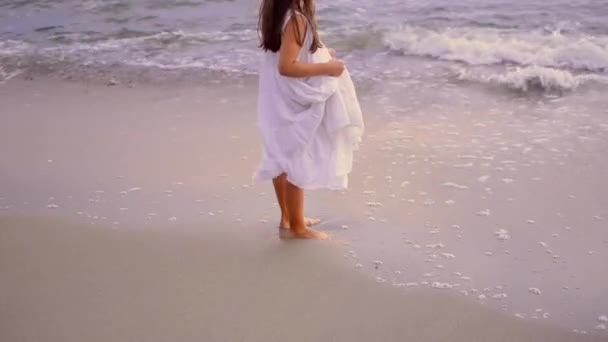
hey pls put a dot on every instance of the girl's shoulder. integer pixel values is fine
(293, 13)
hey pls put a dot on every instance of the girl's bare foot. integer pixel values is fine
(308, 221)
(304, 234)
(311, 221)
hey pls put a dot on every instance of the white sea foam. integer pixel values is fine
(455, 185)
(440, 285)
(502, 234)
(13, 47)
(500, 296)
(380, 280)
(149, 51)
(483, 178)
(531, 77)
(484, 212)
(487, 46)
(448, 255)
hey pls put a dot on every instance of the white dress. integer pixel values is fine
(309, 127)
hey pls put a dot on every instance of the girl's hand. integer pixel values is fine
(332, 53)
(335, 67)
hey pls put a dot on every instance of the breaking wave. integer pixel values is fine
(485, 46)
(533, 78)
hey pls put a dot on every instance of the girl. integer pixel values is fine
(307, 111)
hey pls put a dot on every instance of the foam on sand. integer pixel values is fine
(502, 234)
(485, 212)
(455, 185)
(440, 285)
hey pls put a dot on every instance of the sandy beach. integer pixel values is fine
(70, 282)
(127, 213)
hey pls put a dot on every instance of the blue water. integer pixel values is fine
(552, 45)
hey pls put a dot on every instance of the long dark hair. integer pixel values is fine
(272, 15)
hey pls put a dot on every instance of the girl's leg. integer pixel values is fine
(297, 222)
(280, 189)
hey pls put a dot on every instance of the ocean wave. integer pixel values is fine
(167, 50)
(532, 78)
(486, 46)
(143, 40)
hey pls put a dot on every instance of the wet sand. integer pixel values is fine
(70, 282)
(124, 201)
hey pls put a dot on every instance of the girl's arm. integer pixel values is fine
(290, 48)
